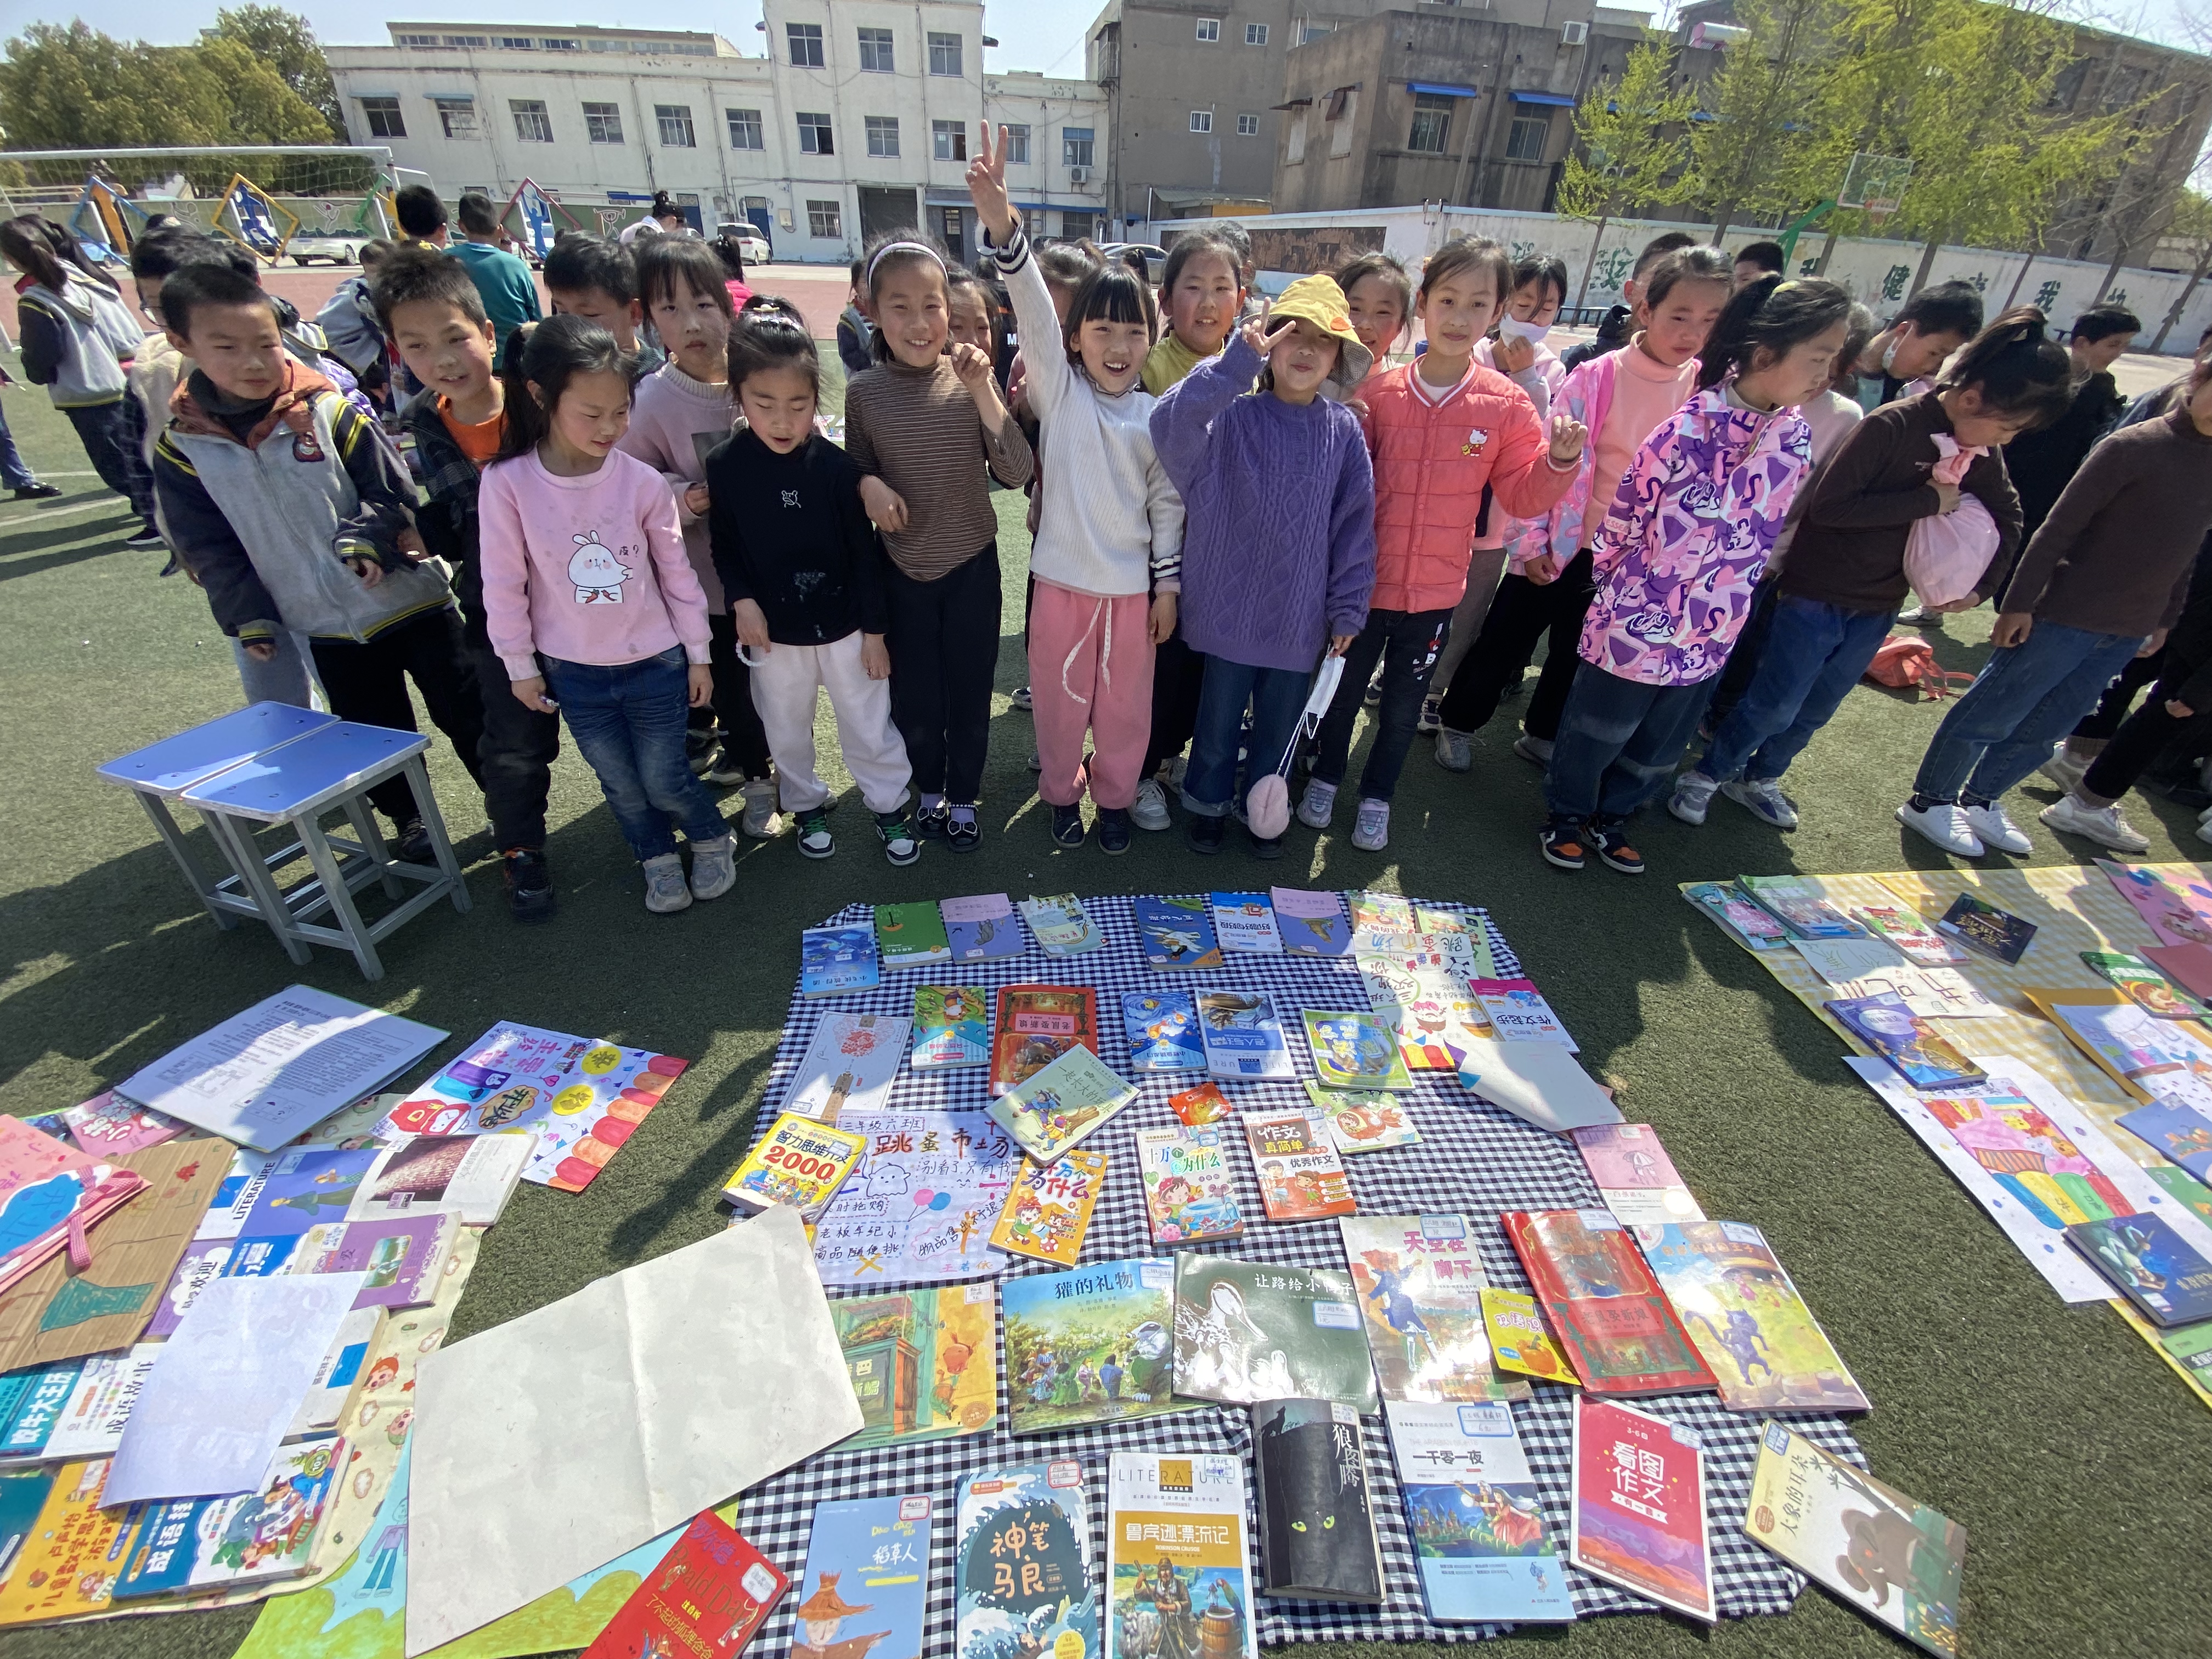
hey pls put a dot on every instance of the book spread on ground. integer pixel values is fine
(1316, 1518)
(1476, 1515)
(1036, 1025)
(1354, 1050)
(866, 1582)
(1747, 1320)
(1091, 1345)
(1620, 1333)
(1753, 928)
(1796, 904)
(1061, 1103)
(981, 929)
(1301, 1176)
(1312, 923)
(471, 1175)
(107, 1126)
(201, 1544)
(1049, 1207)
(2146, 987)
(1061, 926)
(833, 961)
(1519, 1338)
(1178, 1577)
(1639, 1507)
(1246, 1331)
(2152, 1266)
(1176, 933)
(1421, 1283)
(1384, 913)
(1905, 928)
(1519, 1013)
(799, 1163)
(1364, 1120)
(1189, 1192)
(1162, 1028)
(923, 1362)
(1242, 1034)
(1245, 922)
(1024, 1575)
(911, 936)
(1634, 1176)
(952, 1027)
(1924, 1057)
(708, 1595)
(1992, 932)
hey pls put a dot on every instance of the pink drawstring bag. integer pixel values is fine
(1267, 807)
(1946, 553)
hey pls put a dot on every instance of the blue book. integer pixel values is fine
(1030, 1521)
(308, 1185)
(834, 960)
(976, 937)
(2158, 1272)
(1476, 1517)
(261, 1258)
(2180, 1133)
(866, 1580)
(1242, 1034)
(22, 1495)
(1176, 933)
(1162, 1030)
(39, 1409)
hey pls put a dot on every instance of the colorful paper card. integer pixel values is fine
(922, 1203)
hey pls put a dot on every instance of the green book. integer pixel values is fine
(911, 936)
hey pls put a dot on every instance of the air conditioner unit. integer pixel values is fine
(1078, 176)
(1573, 34)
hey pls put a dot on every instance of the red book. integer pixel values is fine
(1639, 1506)
(1619, 1327)
(704, 1600)
(1036, 1025)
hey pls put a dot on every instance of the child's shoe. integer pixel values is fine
(962, 833)
(1561, 843)
(412, 844)
(1373, 696)
(2064, 769)
(1764, 800)
(529, 883)
(714, 866)
(1317, 805)
(1150, 810)
(1995, 826)
(2071, 816)
(898, 835)
(1454, 753)
(1692, 797)
(761, 820)
(1429, 720)
(665, 890)
(1264, 847)
(1021, 698)
(1067, 825)
(929, 821)
(146, 540)
(1371, 833)
(1945, 824)
(1537, 751)
(1114, 830)
(1204, 835)
(1610, 842)
(815, 840)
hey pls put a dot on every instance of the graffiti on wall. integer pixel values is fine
(1301, 251)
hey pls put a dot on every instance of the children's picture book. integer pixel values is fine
(1421, 1282)
(1747, 1320)
(1796, 904)
(34, 1401)
(1621, 1334)
(200, 1544)
(310, 1184)
(2186, 1348)
(923, 1363)
(707, 1595)
(922, 1202)
(1476, 1517)
(1994, 933)
(1520, 1341)
(2185, 1189)
(1242, 1034)
(1176, 933)
(1036, 1025)
(1638, 1508)
(106, 1127)
(833, 961)
(1061, 925)
(1312, 923)
(403, 1259)
(471, 1175)
(1178, 1573)
(1519, 1013)
(799, 1163)
(1316, 1516)
(1923, 1056)
(51, 1192)
(1162, 1027)
(1354, 1050)
(1093, 1346)
(1199, 1105)
(1907, 931)
(1301, 1176)
(1063, 1103)
(911, 936)
(1249, 1330)
(2151, 1059)
(850, 1064)
(2178, 914)
(2180, 1132)
(952, 1028)
(1189, 1192)
(982, 927)
(1246, 921)
(1363, 1119)
(2145, 985)
(1047, 1209)
(1737, 916)
(67, 1562)
(1435, 1017)
(867, 1581)
(1382, 913)
(1024, 1574)
(2153, 1266)
(1634, 1176)
(1895, 1560)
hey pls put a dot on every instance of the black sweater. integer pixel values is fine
(789, 534)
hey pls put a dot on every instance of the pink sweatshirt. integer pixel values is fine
(674, 421)
(589, 569)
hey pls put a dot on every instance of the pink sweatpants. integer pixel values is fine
(1090, 669)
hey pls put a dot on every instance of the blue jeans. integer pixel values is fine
(1618, 744)
(1810, 656)
(287, 677)
(1277, 696)
(628, 721)
(2027, 697)
(13, 473)
(1408, 644)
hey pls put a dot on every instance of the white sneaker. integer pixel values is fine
(1150, 810)
(665, 891)
(1372, 833)
(1316, 805)
(1020, 698)
(2070, 815)
(1454, 753)
(1764, 800)
(1537, 751)
(1945, 825)
(1998, 831)
(2063, 769)
(1429, 721)
(1692, 797)
(761, 820)
(714, 866)
(1912, 613)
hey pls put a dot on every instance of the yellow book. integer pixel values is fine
(1518, 1340)
(799, 1163)
(1047, 1209)
(68, 1563)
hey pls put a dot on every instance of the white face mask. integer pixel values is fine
(1514, 328)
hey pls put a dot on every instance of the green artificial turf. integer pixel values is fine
(2076, 1460)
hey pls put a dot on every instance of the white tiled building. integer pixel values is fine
(859, 118)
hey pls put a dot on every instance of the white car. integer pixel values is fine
(339, 247)
(752, 247)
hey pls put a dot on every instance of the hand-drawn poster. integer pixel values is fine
(922, 1203)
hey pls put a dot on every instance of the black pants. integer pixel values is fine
(744, 738)
(1743, 661)
(1522, 613)
(367, 681)
(2142, 738)
(1178, 673)
(2111, 710)
(106, 430)
(514, 756)
(1408, 644)
(944, 643)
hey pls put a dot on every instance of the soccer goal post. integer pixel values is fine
(107, 196)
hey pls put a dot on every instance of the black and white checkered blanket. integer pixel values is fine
(1472, 1159)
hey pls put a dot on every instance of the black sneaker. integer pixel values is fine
(815, 840)
(930, 821)
(35, 491)
(1610, 842)
(1203, 834)
(898, 835)
(963, 834)
(1114, 830)
(412, 844)
(1561, 843)
(1067, 825)
(1265, 847)
(147, 539)
(529, 885)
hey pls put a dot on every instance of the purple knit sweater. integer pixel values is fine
(1279, 548)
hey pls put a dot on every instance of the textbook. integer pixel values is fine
(1162, 1027)
(1301, 1176)
(952, 1028)
(911, 936)
(1242, 1034)
(1024, 1579)
(708, 1595)
(1992, 932)
(1634, 1176)
(1246, 921)
(1518, 1012)
(1061, 1103)
(1921, 1056)
(1035, 1025)
(404, 1258)
(799, 1163)
(1737, 916)
(1061, 925)
(1619, 1331)
(62, 1568)
(1363, 1120)
(1354, 1050)
(1316, 1516)
(923, 1362)
(1519, 1339)
(2153, 1266)
(1189, 1194)
(310, 1184)
(1177, 1563)
(1047, 1209)
(201, 1544)
(1312, 923)
(1176, 933)
(849, 1065)
(981, 929)
(834, 960)
(866, 1579)
(1092, 1345)
(1246, 1331)
(1476, 1517)
(1796, 904)
(1638, 1506)
(1421, 1282)
(1747, 1319)
(2145, 985)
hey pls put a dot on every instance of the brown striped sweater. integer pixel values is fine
(918, 430)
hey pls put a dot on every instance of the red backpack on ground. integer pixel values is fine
(1905, 660)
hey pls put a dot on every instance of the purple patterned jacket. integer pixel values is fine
(1693, 526)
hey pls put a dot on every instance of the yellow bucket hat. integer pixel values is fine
(1318, 300)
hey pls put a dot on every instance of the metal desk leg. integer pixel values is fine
(325, 858)
(373, 843)
(174, 838)
(418, 780)
(236, 837)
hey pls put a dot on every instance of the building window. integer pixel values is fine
(882, 133)
(458, 116)
(1308, 33)
(383, 117)
(675, 122)
(475, 42)
(814, 134)
(1018, 145)
(414, 39)
(745, 129)
(602, 123)
(516, 43)
(944, 54)
(1078, 226)
(1209, 28)
(823, 219)
(805, 45)
(949, 140)
(1075, 146)
(1201, 120)
(952, 229)
(1248, 126)
(561, 45)
(1431, 123)
(531, 124)
(1255, 34)
(876, 57)
(1529, 136)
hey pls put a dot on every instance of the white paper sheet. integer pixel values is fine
(554, 1443)
(212, 1412)
(263, 1076)
(1540, 1081)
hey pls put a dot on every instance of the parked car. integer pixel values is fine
(751, 245)
(339, 247)
(1156, 258)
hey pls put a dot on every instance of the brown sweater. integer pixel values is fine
(918, 430)
(1849, 549)
(2114, 556)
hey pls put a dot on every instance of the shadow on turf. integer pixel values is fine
(36, 548)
